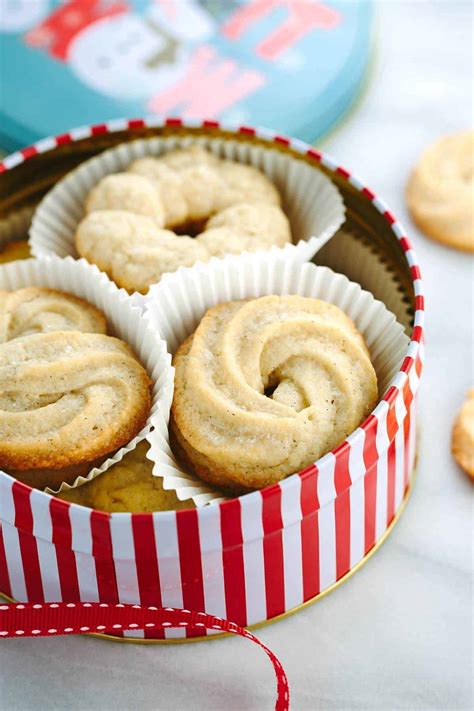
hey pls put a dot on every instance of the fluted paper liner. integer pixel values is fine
(177, 304)
(311, 201)
(360, 261)
(124, 320)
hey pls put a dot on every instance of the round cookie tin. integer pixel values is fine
(299, 65)
(260, 556)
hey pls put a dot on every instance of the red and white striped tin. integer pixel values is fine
(251, 559)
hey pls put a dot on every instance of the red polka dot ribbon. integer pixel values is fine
(52, 619)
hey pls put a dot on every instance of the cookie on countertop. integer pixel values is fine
(462, 441)
(440, 191)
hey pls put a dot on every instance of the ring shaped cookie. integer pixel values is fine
(130, 216)
(440, 191)
(462, 440)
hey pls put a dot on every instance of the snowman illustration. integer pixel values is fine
(133, 57)
(163, 57)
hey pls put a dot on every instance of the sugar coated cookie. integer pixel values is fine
(68, 398)
(38, 310)
(133, 218)
(264, 387)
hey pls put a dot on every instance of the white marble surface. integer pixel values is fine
(398, 635)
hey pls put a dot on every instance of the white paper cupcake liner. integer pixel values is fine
(124, 321)
(177, 304)
(361, 262)
(312, 202)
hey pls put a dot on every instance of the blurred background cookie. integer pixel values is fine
(440, 191)
(462, 442)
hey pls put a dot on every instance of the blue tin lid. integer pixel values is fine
(292, 65)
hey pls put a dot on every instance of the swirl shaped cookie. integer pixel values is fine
(440, 191)
(38, 310)
(130, 216)
(265, 387)
(68, 399)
